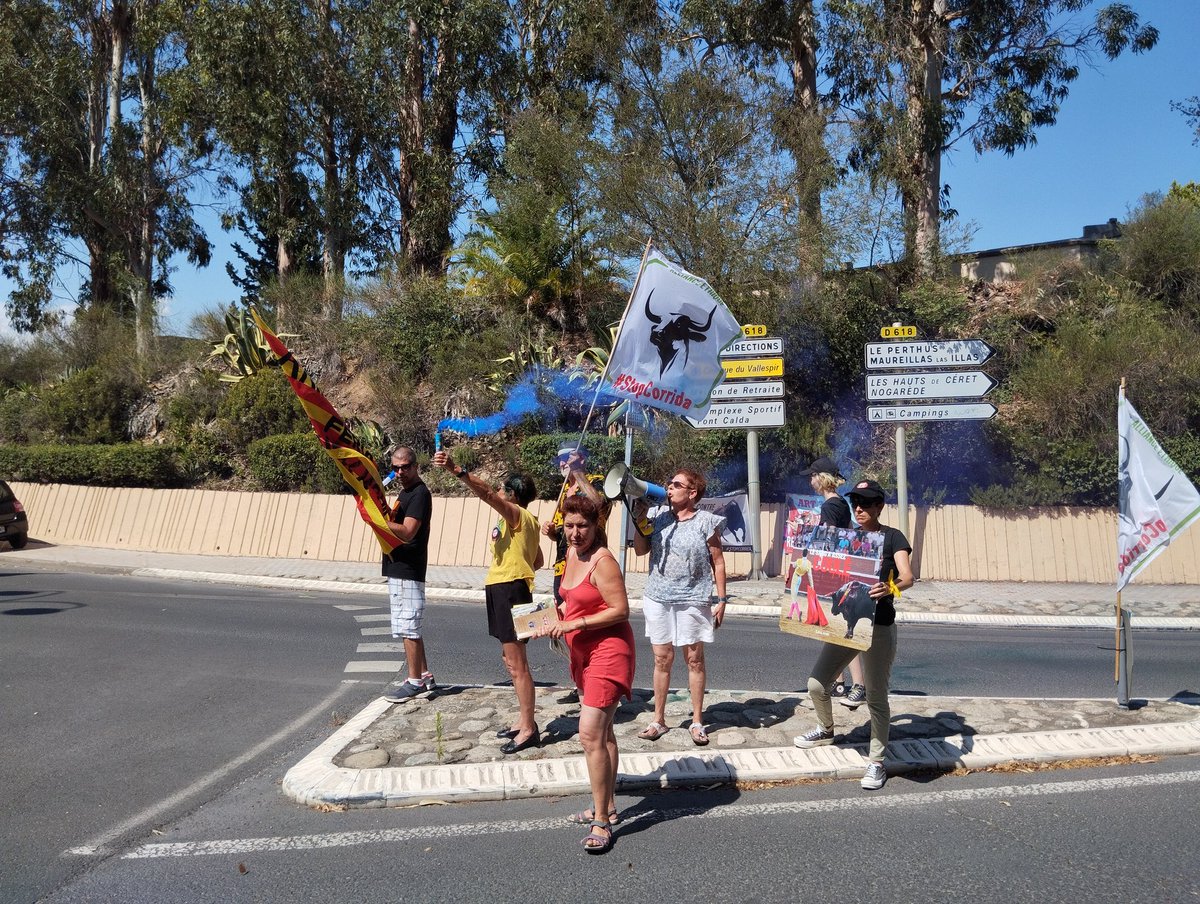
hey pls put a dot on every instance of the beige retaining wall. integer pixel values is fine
(950, 543)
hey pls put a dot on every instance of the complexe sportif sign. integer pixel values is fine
(734, 415)
(948, 384)
(971, 411)
(943, 353)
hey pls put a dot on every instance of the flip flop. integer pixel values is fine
(600, 839)
(653, 731)
(585, 817)
(699, 735)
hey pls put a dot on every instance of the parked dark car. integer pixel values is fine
(14, 526)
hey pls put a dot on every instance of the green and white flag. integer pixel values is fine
(1156, 500)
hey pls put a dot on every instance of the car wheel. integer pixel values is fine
(18, 541)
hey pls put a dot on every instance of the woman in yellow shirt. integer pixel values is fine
(516, 555)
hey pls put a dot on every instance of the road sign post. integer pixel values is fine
(748, 401)
(921, 379)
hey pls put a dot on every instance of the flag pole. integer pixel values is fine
(1117, 645)
(607, 364)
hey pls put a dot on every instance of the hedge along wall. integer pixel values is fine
(950, 543)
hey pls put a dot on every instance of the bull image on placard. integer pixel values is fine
(852, 601)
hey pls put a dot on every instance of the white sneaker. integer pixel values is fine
(874, 777)
(818, 737)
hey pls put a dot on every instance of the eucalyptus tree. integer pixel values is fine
(779, 39)
(279, 98)
(96, 165)
(691, 163)
(922, 75)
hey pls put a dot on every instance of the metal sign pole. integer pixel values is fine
(1124, 661)
(902, 482)
(753, 503)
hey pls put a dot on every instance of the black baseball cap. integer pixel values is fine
(822, 465)
(867, 491)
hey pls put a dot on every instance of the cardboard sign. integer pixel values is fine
(829, 573)
(530, 618)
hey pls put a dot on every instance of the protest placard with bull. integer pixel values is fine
(829, 572)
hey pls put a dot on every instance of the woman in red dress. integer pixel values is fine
(595, 624)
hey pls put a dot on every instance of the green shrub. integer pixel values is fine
(261, 405)
(294, 461)
(206, 453)
(195, 401)
(406, 321)
(1159, 250)
(16, 408)
(91, 406)
(125, 465)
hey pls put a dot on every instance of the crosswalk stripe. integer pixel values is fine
(380, 648)
(375, 665)
(376, 632)
(370, 618)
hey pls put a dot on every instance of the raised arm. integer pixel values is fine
(507, 509)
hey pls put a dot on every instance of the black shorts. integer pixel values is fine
(500, 600)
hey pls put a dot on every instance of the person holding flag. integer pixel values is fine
(516, 555)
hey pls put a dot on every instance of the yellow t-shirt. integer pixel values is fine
(514, 552)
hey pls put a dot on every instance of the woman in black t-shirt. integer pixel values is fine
(867, 501)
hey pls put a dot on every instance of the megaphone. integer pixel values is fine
(620, 482)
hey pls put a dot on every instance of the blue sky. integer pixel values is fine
(1116, 139)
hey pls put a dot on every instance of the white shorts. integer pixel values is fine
(407, 599)
(679, 624)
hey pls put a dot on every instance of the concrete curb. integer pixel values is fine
(317, 782)
(757, 611)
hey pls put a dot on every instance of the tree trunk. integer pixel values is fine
(283, 252)
(809, 138)
(412, 146)
(333, 241)
(141, 257)
(921, 192)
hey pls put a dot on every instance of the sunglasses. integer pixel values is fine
(678, 485)
(405, 466)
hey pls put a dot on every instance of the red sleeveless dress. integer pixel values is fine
(602, 659)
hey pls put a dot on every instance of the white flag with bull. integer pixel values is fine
(1157, 502)
(667, 354)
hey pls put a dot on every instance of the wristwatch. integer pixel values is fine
(462, 472)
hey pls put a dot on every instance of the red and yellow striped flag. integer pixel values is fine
(356, 466)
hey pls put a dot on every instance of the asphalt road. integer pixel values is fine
(138, 710)
(129, 701)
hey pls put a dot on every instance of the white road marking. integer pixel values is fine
(377, 632)
(239, 846)
(391, 647)
(370, 618)
(99, 844)
(349, 608)
(375, 665)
